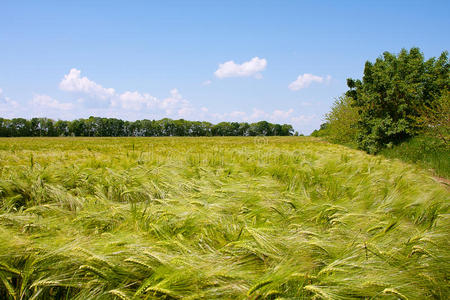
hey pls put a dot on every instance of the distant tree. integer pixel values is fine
(244, 128)
(35, 127)
(235, 128)
(286, 129)
(222, 129)
(144, 128)
(168, 127)
(263, 128)
(20, 127)
(277, 129)
(95, 126)
(5, 127)
(77, 128)
(181, 128)
(61, 128)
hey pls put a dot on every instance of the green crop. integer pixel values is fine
(217, 218)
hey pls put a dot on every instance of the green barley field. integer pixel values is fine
(217, 218)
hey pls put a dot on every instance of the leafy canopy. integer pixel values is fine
(392, 93)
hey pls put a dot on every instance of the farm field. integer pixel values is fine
(217, 218)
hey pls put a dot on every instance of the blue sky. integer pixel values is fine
(282, 61)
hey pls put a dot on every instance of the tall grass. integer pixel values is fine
(427, 152)
(217, 218)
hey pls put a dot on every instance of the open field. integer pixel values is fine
(217, 218)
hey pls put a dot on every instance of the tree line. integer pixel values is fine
(399, 96)
(96, 126)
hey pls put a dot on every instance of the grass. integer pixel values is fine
(217, 218)
(424, 151)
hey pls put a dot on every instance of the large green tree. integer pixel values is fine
(392, 93)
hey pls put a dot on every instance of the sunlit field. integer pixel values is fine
(217, 218)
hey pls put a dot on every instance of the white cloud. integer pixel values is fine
(239, 115)
(134, 101)
(185, 112)
(173, 106)
(44, 101)
(248, 68)
(303, 119)
(176, 105)
(7, 105)
(256, 115)
(305, 80)
(132, 105)
(206, 82)
(73, 82)
(305, 103)
(11, 109)
(279, 115)
(137, 105)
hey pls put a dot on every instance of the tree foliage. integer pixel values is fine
(322, 131)
(342, 120)
(435, 119)
(392, 94)
(95, 126)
